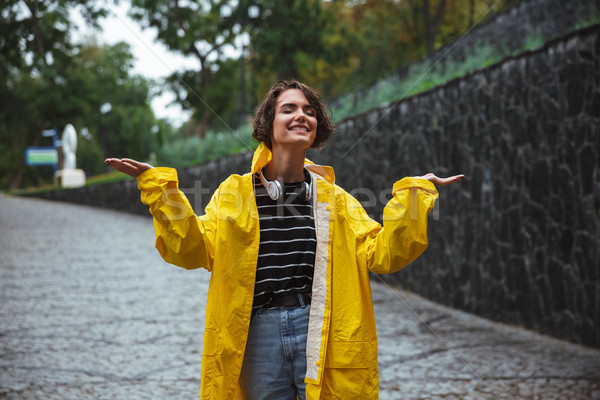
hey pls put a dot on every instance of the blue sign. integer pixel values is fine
(39, 155)
(44, 155)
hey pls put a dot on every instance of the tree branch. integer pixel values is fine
(36, 28)
(439, 15)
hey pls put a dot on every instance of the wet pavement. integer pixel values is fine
(88, 310)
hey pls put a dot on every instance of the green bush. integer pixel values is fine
(183, 152)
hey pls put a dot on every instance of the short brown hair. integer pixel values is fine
(265, 114)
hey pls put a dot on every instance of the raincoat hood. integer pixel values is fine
(263, 155)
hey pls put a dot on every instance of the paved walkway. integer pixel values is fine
(88, 310)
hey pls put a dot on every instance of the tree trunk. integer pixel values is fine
(427, 27)
(471, 14)
(432, 25)
(205, 123)
(15, 181)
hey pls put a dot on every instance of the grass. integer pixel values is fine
(31, 190)
(114, 176)
(192, 151)
(421, 77)
(588, 19)
(109, 177)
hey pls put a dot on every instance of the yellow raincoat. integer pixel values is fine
(342, 343)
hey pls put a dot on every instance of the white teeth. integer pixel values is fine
(297, 128)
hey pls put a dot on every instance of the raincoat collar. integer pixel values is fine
(262, 156)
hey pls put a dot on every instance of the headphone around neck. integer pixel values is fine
(276, 190)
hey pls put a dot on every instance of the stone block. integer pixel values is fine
(70, 178)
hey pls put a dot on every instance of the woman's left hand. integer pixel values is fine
(442, 181)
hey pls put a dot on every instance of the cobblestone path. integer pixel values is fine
(88, 310)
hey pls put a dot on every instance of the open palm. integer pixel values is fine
(128, 166)
(442, 181)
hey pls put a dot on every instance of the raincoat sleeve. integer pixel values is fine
(403, 236)
(182, 238)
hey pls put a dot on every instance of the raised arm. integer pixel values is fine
(182, 238)
(403, 236)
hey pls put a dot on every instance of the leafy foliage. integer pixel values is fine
(48, 81)
(196, 29)
(309, 40)
(184, 151)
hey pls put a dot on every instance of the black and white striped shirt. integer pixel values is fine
(286, 255)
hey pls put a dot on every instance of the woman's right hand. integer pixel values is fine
(128, 166)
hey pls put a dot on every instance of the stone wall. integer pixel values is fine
(519, 241)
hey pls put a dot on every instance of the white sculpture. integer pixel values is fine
(69, 176)
(69, 146)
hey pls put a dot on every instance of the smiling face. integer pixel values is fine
(295, 122)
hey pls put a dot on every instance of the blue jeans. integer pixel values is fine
(274, 364)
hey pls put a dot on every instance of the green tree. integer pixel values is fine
(48, 81)
(204, 30)
(110, 102)
(393, 33)
(384, 44)
(308, 40)
(34, 36)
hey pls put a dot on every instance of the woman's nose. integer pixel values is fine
(300, 115)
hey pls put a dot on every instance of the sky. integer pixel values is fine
(152, 59)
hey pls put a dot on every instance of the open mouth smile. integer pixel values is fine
(299, 128)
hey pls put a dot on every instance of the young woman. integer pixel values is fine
(289, 311)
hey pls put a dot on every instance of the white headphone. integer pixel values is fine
(275, 188)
